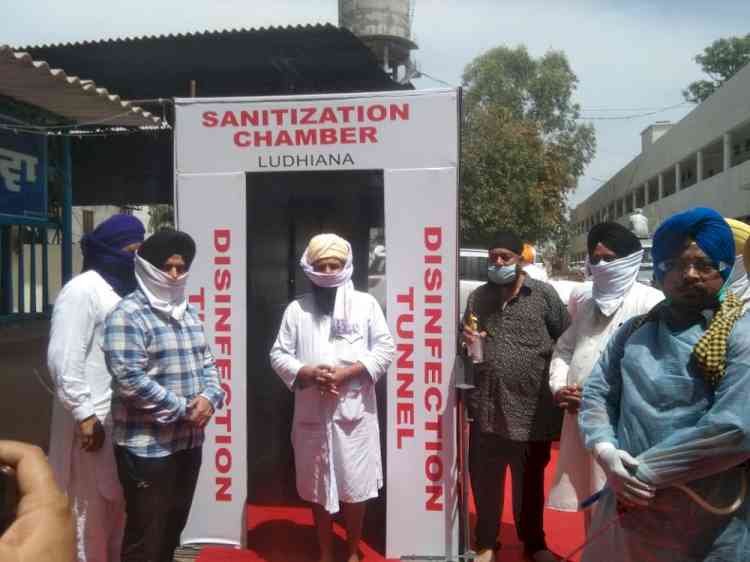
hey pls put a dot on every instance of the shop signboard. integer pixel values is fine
(23, 191)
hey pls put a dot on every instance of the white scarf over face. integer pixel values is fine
(165, 294)
(738, 281)
(612, 281)
(342, 280)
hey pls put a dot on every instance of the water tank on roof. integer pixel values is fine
(385, 27)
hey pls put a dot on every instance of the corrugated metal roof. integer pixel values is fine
(36, 83)
(244, 62)
(188, 34)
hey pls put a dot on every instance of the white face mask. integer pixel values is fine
(612, 281)
(162, 291)
(738, 281)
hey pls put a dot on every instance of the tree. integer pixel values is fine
(160, 217)
(522, 148)
(721, 60)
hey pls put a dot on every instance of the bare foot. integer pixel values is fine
(353, 558)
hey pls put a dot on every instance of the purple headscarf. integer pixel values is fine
(102, 251)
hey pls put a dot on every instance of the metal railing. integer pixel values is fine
(30, 268)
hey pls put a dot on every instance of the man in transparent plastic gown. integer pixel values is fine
(666, 412)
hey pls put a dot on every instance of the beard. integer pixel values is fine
(325, 298)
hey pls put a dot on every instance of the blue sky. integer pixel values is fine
(630, 56)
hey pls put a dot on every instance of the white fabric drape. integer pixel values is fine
(577, 476)
(77, 366)
(163, 293)
(612, 281)
(342, 281)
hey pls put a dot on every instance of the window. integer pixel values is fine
(88, 221)
(619, 208)
(653, 190)
(640, 197)
(472, 266)
(629, 203)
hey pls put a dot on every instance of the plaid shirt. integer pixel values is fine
(158, 365)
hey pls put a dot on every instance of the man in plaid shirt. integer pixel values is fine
(165, 390)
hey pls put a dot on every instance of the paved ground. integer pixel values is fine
(25, 404)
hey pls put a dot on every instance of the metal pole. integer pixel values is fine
(32, 271)
(45, 271)
(67, 212)
(21, 274)
(6, 278)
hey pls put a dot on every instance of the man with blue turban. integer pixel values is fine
(81, 450)
(665, 410)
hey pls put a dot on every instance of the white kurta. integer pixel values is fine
(577, 475)
(76, 364)
(336, 440)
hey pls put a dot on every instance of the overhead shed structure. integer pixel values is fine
(246, 62)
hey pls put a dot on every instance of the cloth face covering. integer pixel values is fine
(502, 275)
(613, 280)
(103, 251)
(164, 294)
(341, 280)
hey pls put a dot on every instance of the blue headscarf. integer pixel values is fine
(102, 251)
(709, 230)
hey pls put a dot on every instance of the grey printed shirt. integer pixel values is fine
(512, 398)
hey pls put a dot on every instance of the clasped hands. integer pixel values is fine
(569, 398)
(328, 379)
(620, 467)
(199, 411)
(92, 434)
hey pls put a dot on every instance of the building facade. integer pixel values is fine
(702, 160)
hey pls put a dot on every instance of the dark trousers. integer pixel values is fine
(489, 456)
(158, 496)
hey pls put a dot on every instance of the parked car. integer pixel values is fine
(472, 272)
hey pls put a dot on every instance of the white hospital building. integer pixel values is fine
(703, 160)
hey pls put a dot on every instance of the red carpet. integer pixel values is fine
(286, 534)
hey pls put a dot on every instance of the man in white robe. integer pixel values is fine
(615, 256)
(738, 281)
(81, 451)
(332, 347)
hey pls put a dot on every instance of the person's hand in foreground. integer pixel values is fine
(43, 529)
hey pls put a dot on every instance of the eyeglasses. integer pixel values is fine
(702, 267)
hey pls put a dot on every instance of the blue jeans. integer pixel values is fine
(158, 495)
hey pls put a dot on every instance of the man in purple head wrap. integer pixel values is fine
(81, 451)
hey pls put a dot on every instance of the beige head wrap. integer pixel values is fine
(738, 281)
(327, 246)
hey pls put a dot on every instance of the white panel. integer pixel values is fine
(212, 209)
(367, 131)
(421, 233)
